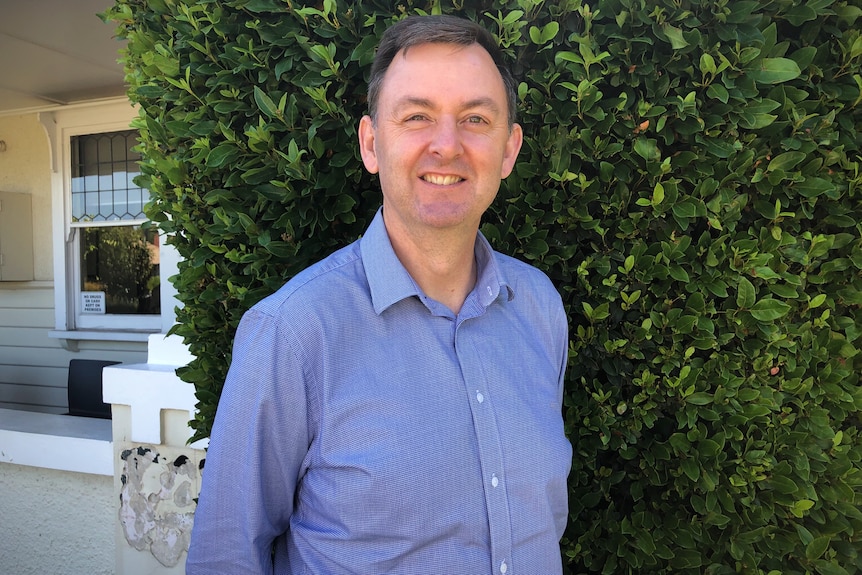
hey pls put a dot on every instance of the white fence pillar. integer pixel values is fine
(156, 472)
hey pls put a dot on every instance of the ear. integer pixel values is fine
(513, 146)
(366, 144)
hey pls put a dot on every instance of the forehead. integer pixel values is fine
(444, 71)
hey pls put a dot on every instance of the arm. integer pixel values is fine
(256, 449)
(561, 516)
(561, 327)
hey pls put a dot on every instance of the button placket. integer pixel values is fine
(490, 448)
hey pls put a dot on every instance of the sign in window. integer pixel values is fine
(93, 302)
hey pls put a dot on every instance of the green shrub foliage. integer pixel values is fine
(690, 180)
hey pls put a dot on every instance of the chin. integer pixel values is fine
(445, 217)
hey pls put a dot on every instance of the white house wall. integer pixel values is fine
(25, 168)
(34, 366)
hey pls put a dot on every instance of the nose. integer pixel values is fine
(446, 139)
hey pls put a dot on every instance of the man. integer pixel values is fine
(396, 408)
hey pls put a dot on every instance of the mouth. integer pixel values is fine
(442, 180)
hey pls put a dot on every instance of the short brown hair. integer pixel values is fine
(440, 29)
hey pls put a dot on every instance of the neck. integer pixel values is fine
(443, 266)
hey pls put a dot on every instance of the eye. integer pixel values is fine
(476, 120)
(416, 118)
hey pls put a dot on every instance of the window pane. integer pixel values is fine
(104, 165)
(91, 203)
(122, 262)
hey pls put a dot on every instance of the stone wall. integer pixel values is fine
(55, 521)
(84, 496)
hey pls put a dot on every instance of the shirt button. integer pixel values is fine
(479, 397)
(503, 567)
(494, 481)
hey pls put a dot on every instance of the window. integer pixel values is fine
(109, 272)
(117, 259)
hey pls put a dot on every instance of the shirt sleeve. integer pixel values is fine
(561, 326)
(561, 330)
(258, 443)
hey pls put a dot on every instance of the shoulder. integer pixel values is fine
(533, 292)
(522, 276)
(320, 284)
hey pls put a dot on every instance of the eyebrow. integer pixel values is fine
(424, 103)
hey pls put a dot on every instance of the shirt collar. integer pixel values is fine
(389, 281)
(490, 281)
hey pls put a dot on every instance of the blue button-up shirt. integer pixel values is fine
(365, 428)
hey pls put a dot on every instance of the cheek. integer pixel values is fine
(399, 154)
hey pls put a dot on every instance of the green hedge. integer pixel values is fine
(690, 180)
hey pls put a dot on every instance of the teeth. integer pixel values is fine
(441, 180)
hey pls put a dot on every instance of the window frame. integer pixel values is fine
(61, 125)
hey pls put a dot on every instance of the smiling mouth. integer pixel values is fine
(441, 180)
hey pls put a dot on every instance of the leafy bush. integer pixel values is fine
(690, 180)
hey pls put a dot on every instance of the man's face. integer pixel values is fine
(441, 142)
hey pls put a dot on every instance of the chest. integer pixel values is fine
(401, 403)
